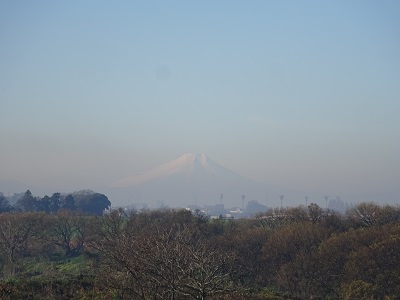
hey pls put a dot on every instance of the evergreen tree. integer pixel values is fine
(69, 203)
(4, 204)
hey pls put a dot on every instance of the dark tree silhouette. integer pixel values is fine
(69, 203)
(91, 203)
(4, 204)
(27, 202)
(55, 202)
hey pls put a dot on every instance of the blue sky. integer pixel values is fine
(302, 94)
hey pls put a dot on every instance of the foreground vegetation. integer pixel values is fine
(293, 253)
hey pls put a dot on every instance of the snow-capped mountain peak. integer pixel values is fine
(190, 178)
(189, 164)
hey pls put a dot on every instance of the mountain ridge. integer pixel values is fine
(191, 178)
(189, 164)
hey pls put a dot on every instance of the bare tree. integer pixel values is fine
(372, 214)
(187, 265)
(163, 262)
(16, 232)
(68, 231)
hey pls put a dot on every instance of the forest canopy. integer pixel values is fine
(303, 252)
(85, 201)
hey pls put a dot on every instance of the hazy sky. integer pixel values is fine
(303, 94)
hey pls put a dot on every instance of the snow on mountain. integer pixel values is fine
(189, 179)
(190, 165)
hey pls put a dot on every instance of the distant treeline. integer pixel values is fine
(86, 202)
(293, 253)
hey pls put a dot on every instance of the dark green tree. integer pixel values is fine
(27, 202)
(4, 204)
(92, 203)
(69, 203)
(55, 203)
(44, 204)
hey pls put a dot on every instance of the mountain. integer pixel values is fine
(189, 179)
(190, 166)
